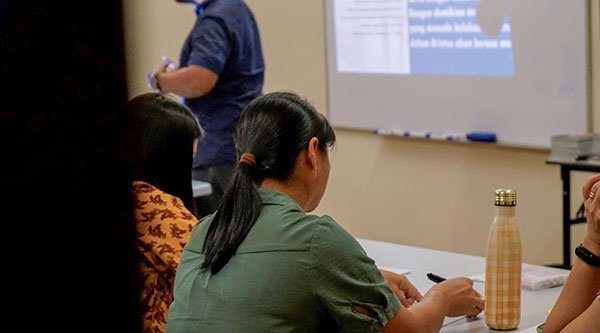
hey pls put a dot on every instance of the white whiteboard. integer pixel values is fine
(518, 68)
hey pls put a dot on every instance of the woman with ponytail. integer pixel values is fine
(260, 263)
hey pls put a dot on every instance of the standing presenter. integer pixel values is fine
(221, 69)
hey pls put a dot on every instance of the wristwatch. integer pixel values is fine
(587, 256)
(153, 81)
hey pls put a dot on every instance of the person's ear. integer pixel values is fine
(312, 154)
(194, 148)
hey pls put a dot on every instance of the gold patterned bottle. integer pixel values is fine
(503, 262)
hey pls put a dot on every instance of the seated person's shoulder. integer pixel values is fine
(332, 238)
(196, 241)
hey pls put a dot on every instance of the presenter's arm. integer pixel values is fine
(452, 298)
(189, 82)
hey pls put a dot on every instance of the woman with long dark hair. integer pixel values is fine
(260, 263)
(165, 135)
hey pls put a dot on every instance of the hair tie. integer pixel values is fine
(248, 158)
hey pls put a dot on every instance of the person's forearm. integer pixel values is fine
(423, 317)
(431, 311)
(177, 84)
(587, 322)
(592, 245)
(576, 296)
(188, 82)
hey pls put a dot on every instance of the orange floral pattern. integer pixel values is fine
(164, 226)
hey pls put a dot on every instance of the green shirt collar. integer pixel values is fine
(270, 197)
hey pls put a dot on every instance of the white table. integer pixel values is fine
(200, 188)
(420, 261)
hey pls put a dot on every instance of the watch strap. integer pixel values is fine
(587, 256)
(153, 81)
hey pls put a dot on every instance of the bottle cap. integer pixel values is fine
(505, 197)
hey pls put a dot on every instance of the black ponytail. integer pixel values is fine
(233, 220)
(273, 130)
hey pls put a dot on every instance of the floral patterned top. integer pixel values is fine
(163, 228)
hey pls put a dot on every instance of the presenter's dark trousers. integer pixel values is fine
(218, 176)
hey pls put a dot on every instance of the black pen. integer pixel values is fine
(435, 278)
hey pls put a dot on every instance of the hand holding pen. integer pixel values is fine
(462, 297)
(435, 278)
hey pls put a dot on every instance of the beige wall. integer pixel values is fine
(431, 194)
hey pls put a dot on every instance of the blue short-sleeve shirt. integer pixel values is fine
(226, 40)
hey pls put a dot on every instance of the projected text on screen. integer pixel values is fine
(438, 37)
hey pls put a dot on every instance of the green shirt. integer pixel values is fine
(293, 273)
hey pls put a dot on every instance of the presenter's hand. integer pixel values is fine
(166, 65)
(406, 292)
(463, 299)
